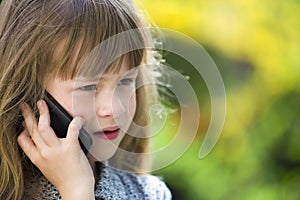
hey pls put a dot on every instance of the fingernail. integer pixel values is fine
(22, 106)
(40, 104)
(79, 121)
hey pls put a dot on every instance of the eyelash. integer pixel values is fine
(88, 87)
(125, 82)
(122, 82)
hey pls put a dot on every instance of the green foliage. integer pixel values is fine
(255, 44)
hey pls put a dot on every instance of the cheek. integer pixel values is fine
(83, 107)
(132, 105)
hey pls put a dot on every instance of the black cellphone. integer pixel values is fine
(60, 120)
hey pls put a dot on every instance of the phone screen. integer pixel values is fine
(60, 120)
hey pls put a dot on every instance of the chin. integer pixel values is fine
(102, 150)
(102, 154)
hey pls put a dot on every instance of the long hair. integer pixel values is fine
(31, 31)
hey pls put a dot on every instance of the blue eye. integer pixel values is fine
(88, 87)
(126, 82)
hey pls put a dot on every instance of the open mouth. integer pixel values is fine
(108, 133)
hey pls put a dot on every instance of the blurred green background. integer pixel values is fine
(256, 46)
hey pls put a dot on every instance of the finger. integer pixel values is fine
(28, 146)
(74, 127)
(31, 125)
(46, 132)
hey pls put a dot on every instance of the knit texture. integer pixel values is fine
(113, 185)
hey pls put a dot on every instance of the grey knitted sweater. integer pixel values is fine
(113, 185)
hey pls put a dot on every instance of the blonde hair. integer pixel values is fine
(30, 33)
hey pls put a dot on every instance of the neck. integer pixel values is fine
(96, 167)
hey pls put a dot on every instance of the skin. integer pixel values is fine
(101, 103)
(111, 103)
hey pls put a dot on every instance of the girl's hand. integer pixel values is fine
(61, 160)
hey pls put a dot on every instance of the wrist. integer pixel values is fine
(78, 194)
(83, 190)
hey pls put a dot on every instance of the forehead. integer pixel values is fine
(123, 70)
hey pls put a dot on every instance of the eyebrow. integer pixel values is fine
(104, 76)
(88, 79)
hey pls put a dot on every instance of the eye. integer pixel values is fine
(88, 87)
(126, 82)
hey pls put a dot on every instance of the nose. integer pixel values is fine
(108, 104)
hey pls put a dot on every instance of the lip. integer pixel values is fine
(109, 133)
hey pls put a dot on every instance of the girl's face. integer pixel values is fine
(107, 103)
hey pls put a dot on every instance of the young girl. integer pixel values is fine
(53, 47)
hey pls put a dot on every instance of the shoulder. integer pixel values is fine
(154, 186)
(131, 186)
